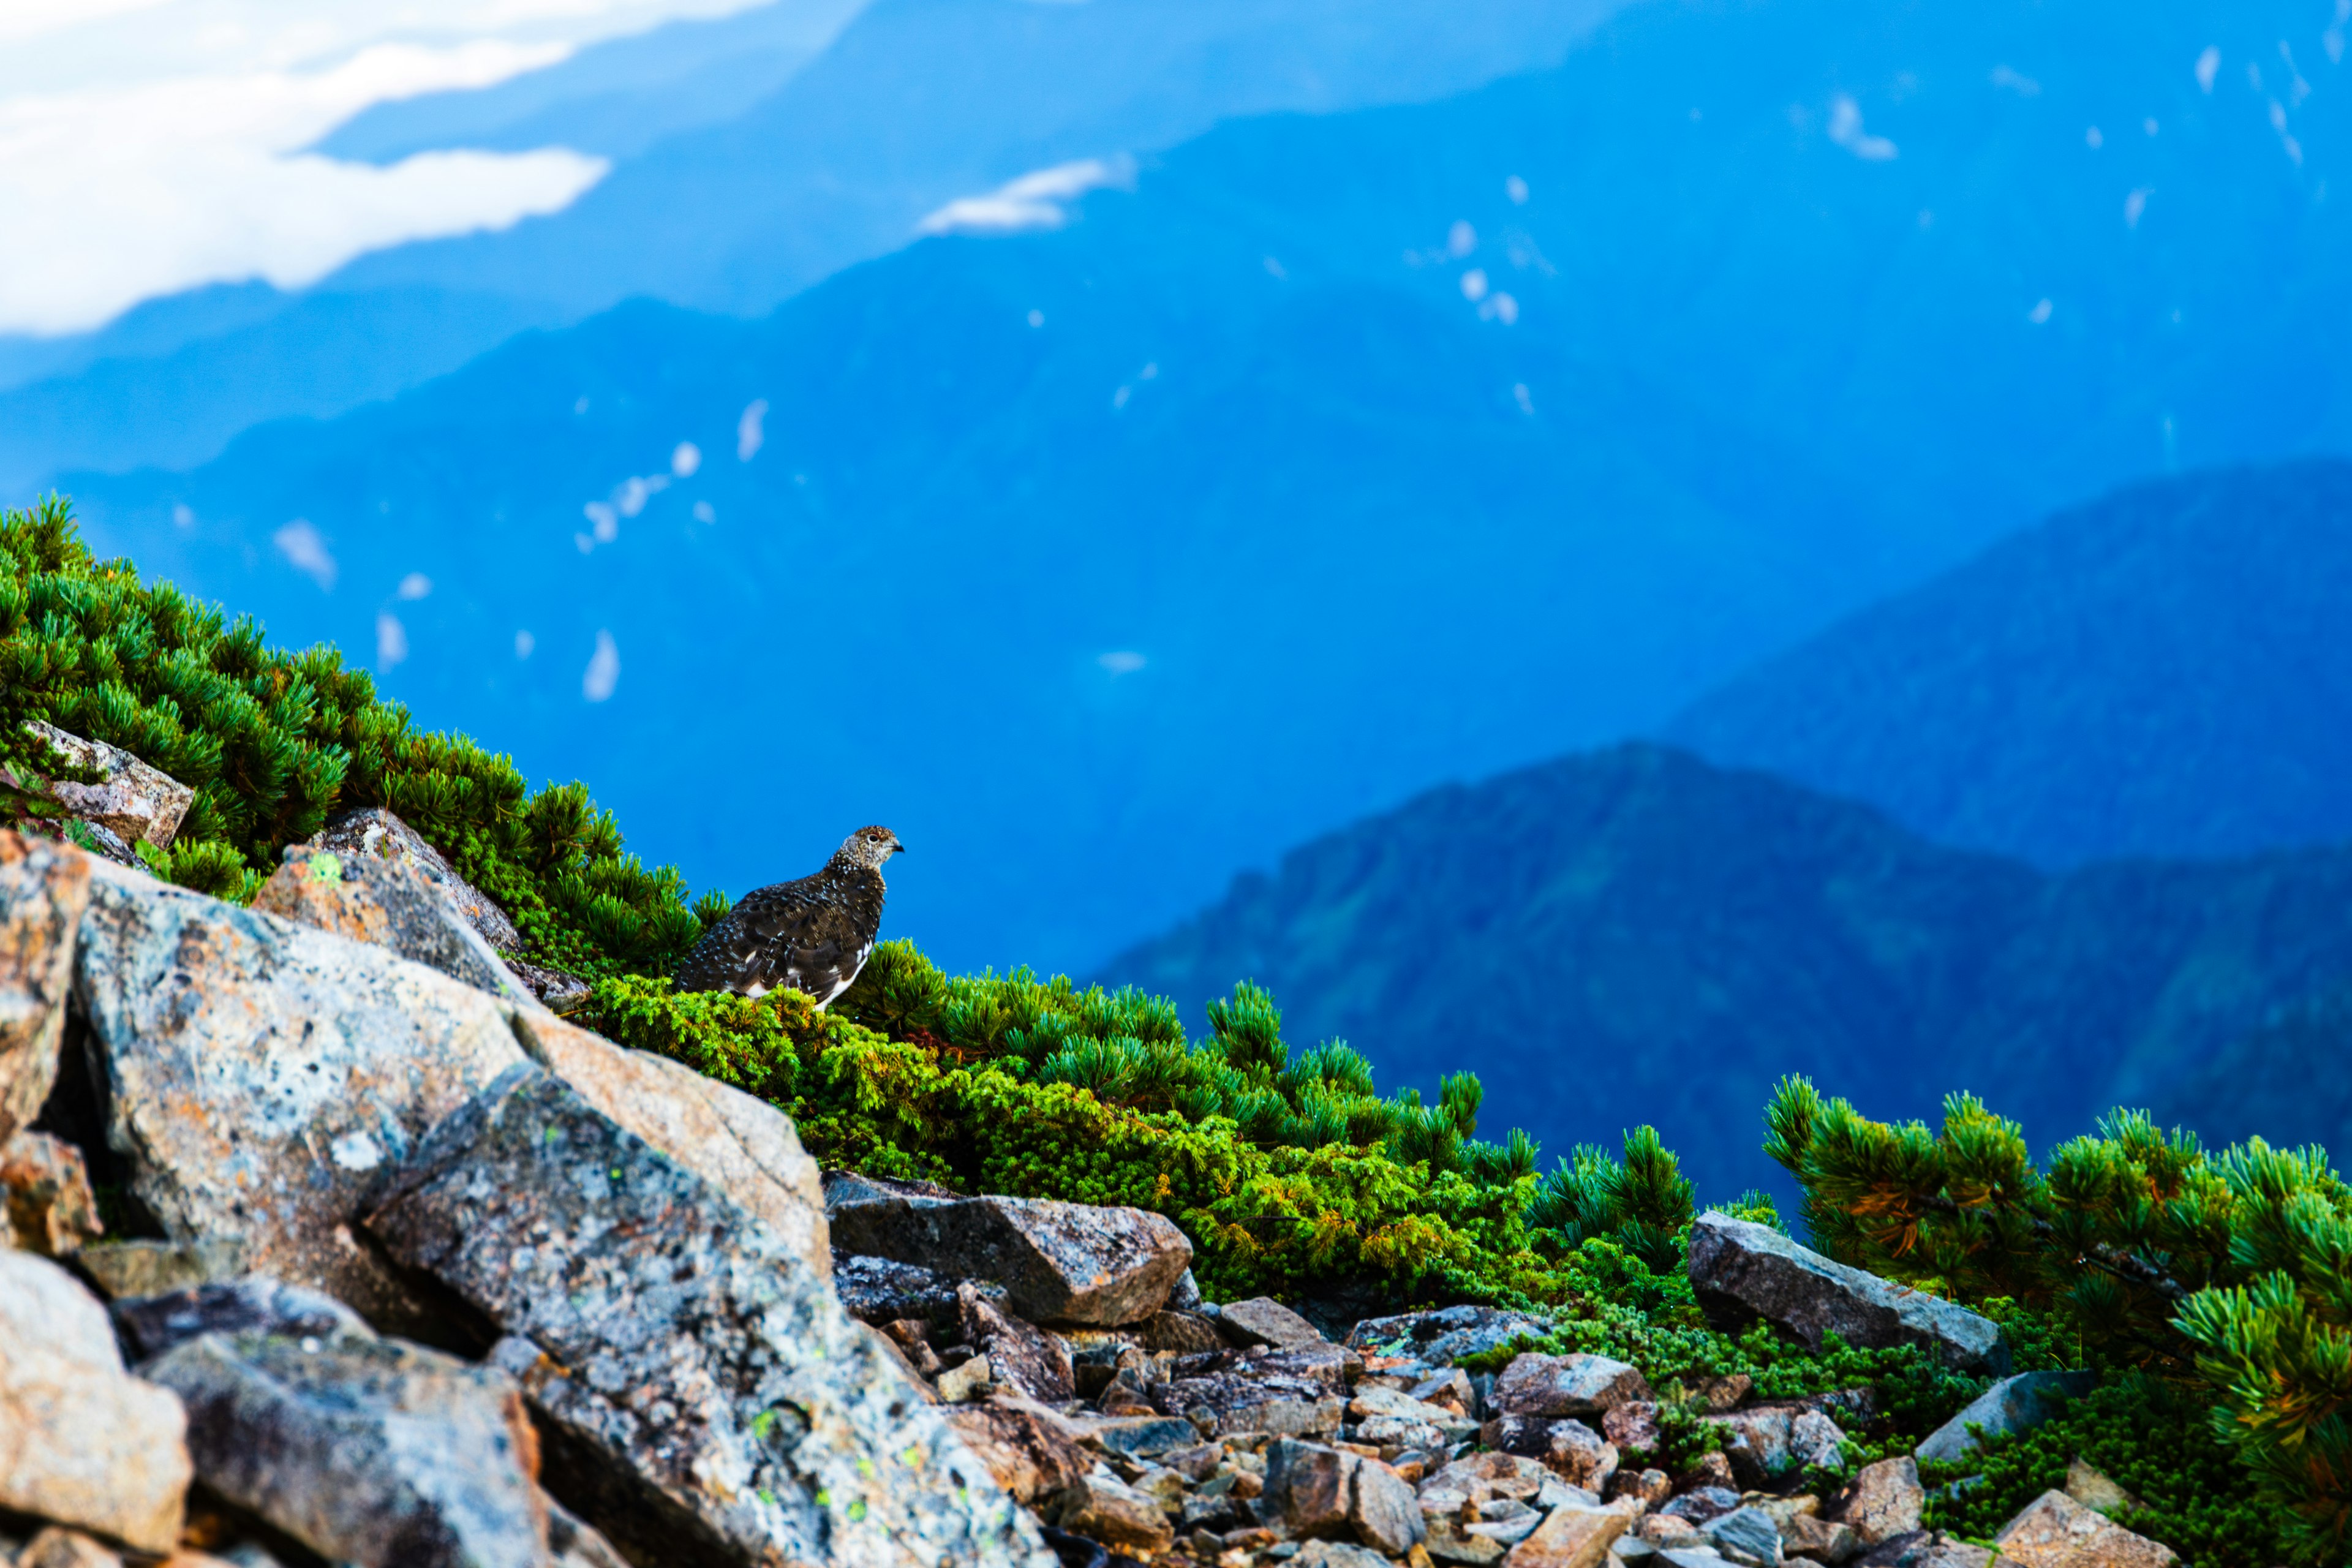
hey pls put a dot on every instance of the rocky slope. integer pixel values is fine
(1634, 936)
(397, 1269)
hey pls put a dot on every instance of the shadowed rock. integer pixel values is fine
(1743, 1271)
(1074, 1263)
(368, 1451)
(389, 904)
(705, 1398)
(45, 1201)
(2013, 1405)
(151, 1326)
(134, 802)
(1573, 1384)
(44, 888)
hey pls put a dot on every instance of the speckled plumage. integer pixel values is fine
(812, 935)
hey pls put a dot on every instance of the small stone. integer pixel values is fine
(2011, 1405)
(1572, 1538)
(1446, 1335)
(2056, 1532)
(1746, 1535)
(2091, 1487)
(1634, 1425)
(365, 1450)
(81, 1441)
(880, 1291)
(1023, 1357)
(966, 1380)
(1651, 1488)
(44, 889)
(1058, 1262)
(1186, 1333)
(1028, 1451)
(1105, 1510)
(1815, 1441)
(1883, 1502)
(1755, 1442)
(1667, 1530)
(1701, 1504)
(129, 1269)
(1576, 1384)
(1823, 1540)
(1185, 1296)
(59, 1548)
(151, 1326)
(1336, 1554)
(1718, 1394)
(1710, 1469)
(1448, 1541)
(46, 1204)
(1580, 1455)
(1140, 1437)
(1742, 1271)
(1263, 1321)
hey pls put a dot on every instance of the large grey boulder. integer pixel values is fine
(44, 888)
(1743, 1271)
(390, 904)
(2013, 1405)
(705, 1397)
(368, 1451)
(1059, 1263)
(262, 1075)
(81, 1441)
(745, 1147)
(1445, 1335)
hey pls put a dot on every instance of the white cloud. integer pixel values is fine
(1034, 201)
(1845, 129)
(152, 145)
(749, 432)
(524, 643)
(685, 460)
(416, 585)
(1473, 284)
(306, 551)
(603, 671)
(2208, 65)
(391, 640)
(1124, 661)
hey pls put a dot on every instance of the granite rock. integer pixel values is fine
(262, 1075)
(1028, 1449)
(134, 801)
(375, 833)
(81, 1441)
(1021, 1357)
(1742, 1271)
(704, 1397)
(2013, 1405)
(150, 1326)
(123, 1270)
(44, 889)
(1445, 1335)
(1884, 1500)
(1321, 1491)
(2056, 1532)
(1572, 1538)
(388, 904)
(45, 1202)
(368, 1451)
(1074, 1263)
(1263, 1321)
(1574, 1385)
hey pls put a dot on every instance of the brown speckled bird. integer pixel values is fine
(812, 935)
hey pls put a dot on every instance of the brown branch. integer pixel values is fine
(2124, 1266)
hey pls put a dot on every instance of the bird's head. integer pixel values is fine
(869, 847)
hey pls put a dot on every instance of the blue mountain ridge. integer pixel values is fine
(2161, 672)
(1271, 521)
(1634, 936)
(917, 103)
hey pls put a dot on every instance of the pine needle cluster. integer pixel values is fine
(2226, 1270)
(273, 743)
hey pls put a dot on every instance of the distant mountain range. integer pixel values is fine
(2162, 672)
(754, 156)
(1343, 454)
(1634, 936)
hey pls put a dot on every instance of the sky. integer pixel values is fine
(148, 146)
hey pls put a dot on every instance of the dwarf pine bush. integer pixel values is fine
(274, 742)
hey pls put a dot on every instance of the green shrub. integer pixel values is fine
(2227, 1273)
(274, 742)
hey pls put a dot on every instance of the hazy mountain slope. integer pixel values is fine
(918, 103)
(616, 97)
(1634, 936)
(1362, 532)
(2161, 672)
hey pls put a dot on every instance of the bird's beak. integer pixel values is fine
(898, 847)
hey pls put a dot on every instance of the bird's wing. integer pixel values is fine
(754, 945)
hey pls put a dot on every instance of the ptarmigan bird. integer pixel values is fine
(812, 935)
